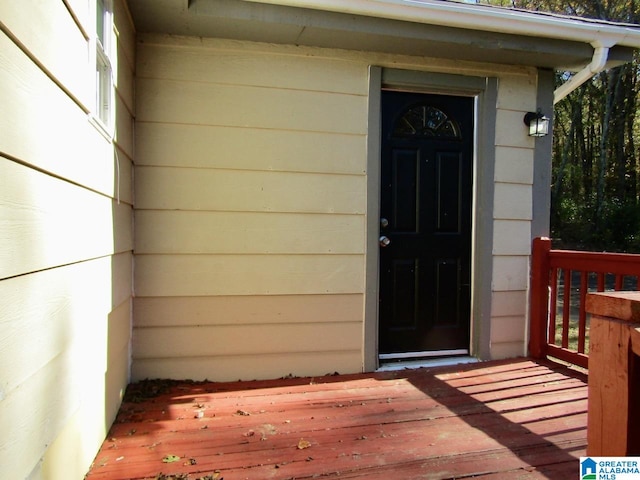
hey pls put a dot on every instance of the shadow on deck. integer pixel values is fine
(506, 419)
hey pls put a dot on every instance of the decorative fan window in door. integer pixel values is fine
(426, 121)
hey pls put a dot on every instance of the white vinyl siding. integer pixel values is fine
(250, 199)
(66, 242)
(251, 189)
(512, 213)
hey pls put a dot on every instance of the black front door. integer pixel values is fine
(425, 225)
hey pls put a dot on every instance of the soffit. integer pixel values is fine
(239, 20)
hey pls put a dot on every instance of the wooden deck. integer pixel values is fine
(517, 419)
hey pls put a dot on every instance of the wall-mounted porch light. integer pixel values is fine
(538, 124)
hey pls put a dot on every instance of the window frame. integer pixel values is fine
(103, 109)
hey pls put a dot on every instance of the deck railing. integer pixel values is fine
(560, 281)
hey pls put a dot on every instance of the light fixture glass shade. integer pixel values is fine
(539, 127)
(538, 124)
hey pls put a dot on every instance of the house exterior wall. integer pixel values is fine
(250, 211)
(512, 213)
(66, 239)
(251, 207)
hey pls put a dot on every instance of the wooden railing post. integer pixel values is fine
(613, 423)
(539, 301)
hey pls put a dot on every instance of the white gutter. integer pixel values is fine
(598, 63)
(476, 17)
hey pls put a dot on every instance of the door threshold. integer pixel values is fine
(425, 354)
(426, 363)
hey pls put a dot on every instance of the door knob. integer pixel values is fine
(384, 241)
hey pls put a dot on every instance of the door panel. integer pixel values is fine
(426, 174)
(405, 284)
(448, 171)
(405, 190)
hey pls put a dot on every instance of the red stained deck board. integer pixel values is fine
(508, 419)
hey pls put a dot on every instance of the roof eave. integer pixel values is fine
(459, 15)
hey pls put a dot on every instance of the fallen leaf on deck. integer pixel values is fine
(191, 461)
(178, 476)
(215, 476)
(243, 413)
(267, 429)
(171, 458)
(302, 444)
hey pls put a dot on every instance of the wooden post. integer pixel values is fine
(613, 417)
(539, 301)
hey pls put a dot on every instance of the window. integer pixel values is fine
(104, 71)
(425, 121)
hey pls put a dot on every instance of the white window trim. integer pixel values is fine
(103, 111)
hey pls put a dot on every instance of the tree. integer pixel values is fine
(594, 194)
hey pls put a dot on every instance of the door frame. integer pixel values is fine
(484, 90)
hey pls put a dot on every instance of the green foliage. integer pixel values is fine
(620, 227)
(595, 202)
(619, 230)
